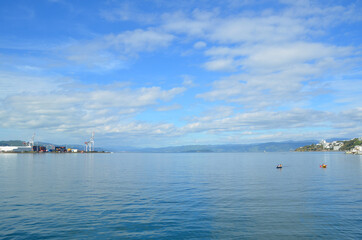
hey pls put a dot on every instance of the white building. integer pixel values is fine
(357, 149)
(332, 146)
(337, 145)
(16, 149)
(336, 148)
(325, 144)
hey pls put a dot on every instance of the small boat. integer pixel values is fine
(323, 166)
(279, 166)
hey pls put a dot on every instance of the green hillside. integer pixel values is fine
(12, 143)
(347, 145)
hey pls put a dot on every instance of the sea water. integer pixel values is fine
(181, 196)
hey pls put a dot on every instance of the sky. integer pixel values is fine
(155, 73)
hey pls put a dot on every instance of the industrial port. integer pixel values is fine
(32, 147)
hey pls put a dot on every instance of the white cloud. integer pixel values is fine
(259, 91)
(281, 57)
(187, 81)
(280, 65)
(199, 45)
(261, 120)
(126, 11)
(235, 28)
(197, 25)
(58, 108)
(113, 51)
(257, 29)
(169, 108)
(354, 116)
(17, 83)
(270, 39)
(295, 124)
(222, 64)
(268, 34)
(139, 40)
(94, 55)
(275, 75)
(141, 97)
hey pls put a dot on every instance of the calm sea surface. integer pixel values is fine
(180, 196)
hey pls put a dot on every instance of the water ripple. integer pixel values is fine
(181, 196)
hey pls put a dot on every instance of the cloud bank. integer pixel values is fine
(189, 73)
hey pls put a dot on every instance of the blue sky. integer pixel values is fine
(162, 73)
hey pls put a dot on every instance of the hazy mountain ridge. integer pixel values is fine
(256, 147)
(12, 143)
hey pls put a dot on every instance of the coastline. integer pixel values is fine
(54, 152)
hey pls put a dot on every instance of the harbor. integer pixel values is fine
(32, 147)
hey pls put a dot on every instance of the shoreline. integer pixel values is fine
(54, 152)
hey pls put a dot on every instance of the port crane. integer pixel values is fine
(89, 146)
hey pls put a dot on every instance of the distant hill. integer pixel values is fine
(336, 139)
(12, 143)
(257, 147)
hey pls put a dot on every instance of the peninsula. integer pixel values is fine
(353, 146)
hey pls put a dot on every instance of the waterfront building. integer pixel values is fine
(16, 148)
(335, 145)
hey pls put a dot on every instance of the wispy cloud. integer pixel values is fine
(127, 11)
(113, 51)
(287, 125)
(139, 40)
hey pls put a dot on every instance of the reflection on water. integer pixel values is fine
(180, 196)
